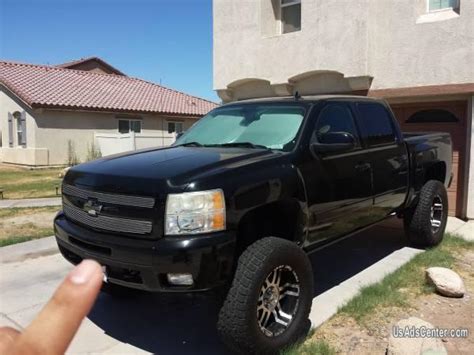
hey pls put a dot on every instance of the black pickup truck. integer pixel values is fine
(242, 197)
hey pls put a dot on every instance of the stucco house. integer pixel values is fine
(418, 54)
(47, 111)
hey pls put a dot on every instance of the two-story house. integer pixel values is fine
(418, 54)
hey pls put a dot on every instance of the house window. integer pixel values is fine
(127, 126)
(290, 15)
(436, 5)
(432, 116)
(175, 127)
(20, 119)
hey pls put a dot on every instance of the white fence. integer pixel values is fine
(118, 143)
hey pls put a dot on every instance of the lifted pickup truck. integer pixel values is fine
(242, 197)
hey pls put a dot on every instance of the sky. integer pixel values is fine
(167, 41)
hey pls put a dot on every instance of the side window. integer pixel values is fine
(290, 16)
(376, 124)
(437, 5)
(335, 118)
(124, 126)
(127, 126)
(136, 126)
(175, 127)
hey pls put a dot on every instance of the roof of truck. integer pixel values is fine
(307, 98)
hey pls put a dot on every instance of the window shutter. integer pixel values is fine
(23, 128)
(10, 129)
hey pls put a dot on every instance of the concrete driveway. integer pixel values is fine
(185, 324)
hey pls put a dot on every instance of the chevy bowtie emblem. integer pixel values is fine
(92, 207)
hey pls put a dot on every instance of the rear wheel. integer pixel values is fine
(268, 304)
(426, 222)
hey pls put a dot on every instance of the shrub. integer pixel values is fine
(93, 152)
(72, 158)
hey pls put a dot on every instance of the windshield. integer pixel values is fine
(251, 125)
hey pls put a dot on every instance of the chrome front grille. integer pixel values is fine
(109, 212)
(116, 199)
(113, 224)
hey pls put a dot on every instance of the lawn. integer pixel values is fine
(22, 224)
(400, 293)
(409, 279)
(19, 183)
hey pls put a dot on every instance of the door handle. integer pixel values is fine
(361, 167)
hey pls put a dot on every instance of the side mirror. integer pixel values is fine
(333, 142)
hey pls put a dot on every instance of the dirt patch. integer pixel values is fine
(21, 224)
(39, 219)
(347, 336)
(454, 313)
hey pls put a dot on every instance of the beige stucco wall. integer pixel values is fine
(404, 53)
(56, 128)
(244, 49)
(48, 132)
(22, 155)
(378, 38)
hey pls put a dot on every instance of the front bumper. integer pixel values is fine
(144, 264)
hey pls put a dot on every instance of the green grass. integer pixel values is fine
(319, 347)
(41, 233)
(392, 290)
(19, 183)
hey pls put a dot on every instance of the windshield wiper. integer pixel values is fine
(238, 145)
(190, 144)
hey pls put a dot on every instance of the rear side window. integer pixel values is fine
(376, 124)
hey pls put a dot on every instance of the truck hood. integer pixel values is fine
(158, 171)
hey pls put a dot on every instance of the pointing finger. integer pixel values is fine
(55, 326)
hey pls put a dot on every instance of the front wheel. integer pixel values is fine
(426, 222)
(268, 304)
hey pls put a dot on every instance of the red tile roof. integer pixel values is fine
(75, 63)
(59, 88)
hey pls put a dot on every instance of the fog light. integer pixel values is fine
(180, 279)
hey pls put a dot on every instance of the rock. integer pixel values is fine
(446, 281)
(403, 339)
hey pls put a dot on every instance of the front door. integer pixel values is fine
(340, 186)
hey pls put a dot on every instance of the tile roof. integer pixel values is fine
(73, 64)
(53, 87)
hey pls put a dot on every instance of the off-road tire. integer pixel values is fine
(237, 325)
(417, 219)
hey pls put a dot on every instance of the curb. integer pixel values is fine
(328, 303)
(28, 250)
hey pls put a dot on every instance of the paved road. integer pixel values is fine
(185, 324)
(32, 202)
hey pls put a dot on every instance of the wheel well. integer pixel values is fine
(282, 219)
(436, 171)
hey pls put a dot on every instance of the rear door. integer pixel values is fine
(387, 154)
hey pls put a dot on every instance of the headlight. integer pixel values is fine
(195, 212)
